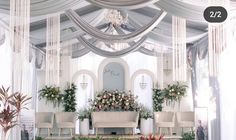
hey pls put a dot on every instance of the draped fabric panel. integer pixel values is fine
(198, 50)
(122, 4)
(52, 70)
(2, 36)
(80, 53)
(43, 7)
(181, 9)
(174, 7)
(159, 36)
(104, 53)
(79, 22)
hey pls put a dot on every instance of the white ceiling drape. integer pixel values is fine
(87, 28)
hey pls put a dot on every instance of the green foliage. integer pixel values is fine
(114, 101)
(84, 114)
(69, 101)
(145, 113)
(175, 92)
(51, 94)
(158, 99)
(38, 138)
(188, 136)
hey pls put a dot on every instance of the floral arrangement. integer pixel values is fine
(69, 101)
(13, 103)
(175, 92)
(84, 114)
(158, 99)
(152, 137)
(51, 94)
(145, 113)
(114, 101)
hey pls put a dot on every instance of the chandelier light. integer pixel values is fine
(116, 18)
(143, 84)
(53, 51)
(84, 83)
(179, 49)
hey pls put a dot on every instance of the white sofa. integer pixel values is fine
(44, 120)
(164, 120)
(115, 120)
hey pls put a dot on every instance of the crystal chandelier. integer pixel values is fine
(116, 18)
(143, 84)
(84, 83)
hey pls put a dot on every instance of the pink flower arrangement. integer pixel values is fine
(114, 101)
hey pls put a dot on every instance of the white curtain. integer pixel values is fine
(53, 51)
(5, 62)
(227, 83)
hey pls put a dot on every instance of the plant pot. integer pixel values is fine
(146, 126)
(84, 127)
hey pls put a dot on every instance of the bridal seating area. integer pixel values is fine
(117, 69)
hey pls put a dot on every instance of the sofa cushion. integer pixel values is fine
(186, 124)
(43, 125)
(165, 124)
(115, 124)
(66, 125)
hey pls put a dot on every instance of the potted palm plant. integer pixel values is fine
(13, 103)
(146, 117)
(83, 117)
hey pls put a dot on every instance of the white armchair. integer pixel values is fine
(186, 120)
(65, 120)
(44, 120)
(164, 120)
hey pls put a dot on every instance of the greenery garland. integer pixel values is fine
(51, 94)
(69, 101)
(158, 99)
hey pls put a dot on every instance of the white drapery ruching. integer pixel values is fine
(92, 31)
(104, 53)
(122, 4)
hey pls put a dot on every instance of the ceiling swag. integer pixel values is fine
(182, 9)
(92, 31)
(124, 4)
(104, 53)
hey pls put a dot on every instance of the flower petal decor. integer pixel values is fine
(114, 101)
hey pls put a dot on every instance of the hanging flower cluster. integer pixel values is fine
(171, 94)
(175, 92)
(114, 101)
(51, 94)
